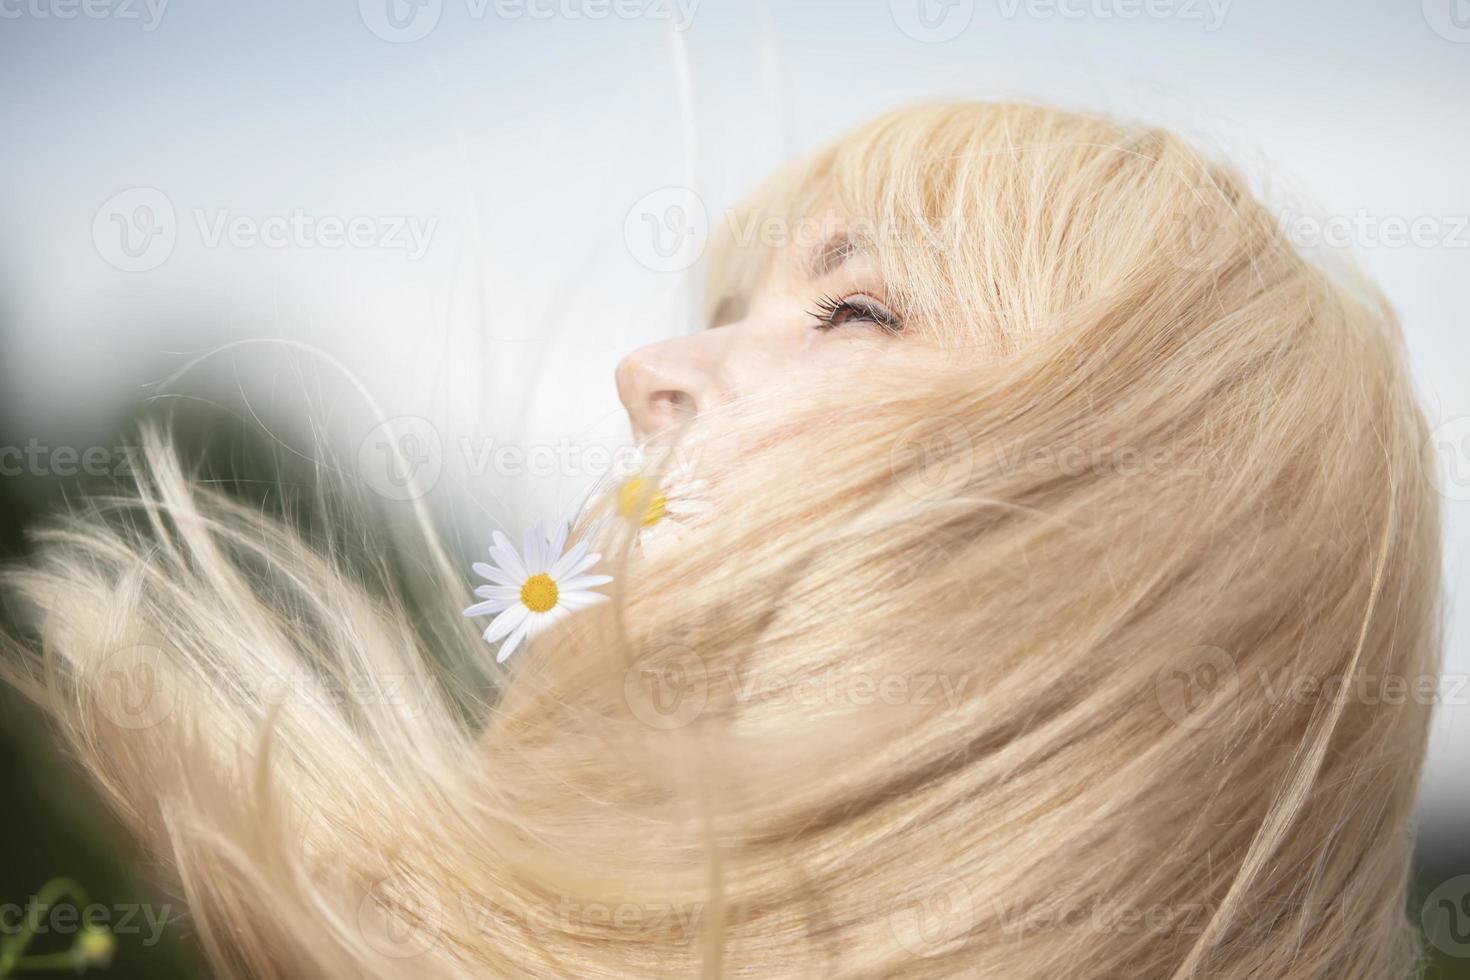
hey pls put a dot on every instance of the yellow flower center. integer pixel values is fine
(539, 593)
(637, 491)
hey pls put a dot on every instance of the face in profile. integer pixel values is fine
(817, 312)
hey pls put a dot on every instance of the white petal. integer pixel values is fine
(507, 559)
(514, 640)
(526, 548)
(563, 565)
(580, 566)
(537, 544)
(489, 606)
(550, 618)
(497, 592)
(583, 583)
(505, 622)
(505, 556)
(580, 600)
(559, 542)
(493, 573)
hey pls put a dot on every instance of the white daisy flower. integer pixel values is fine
(533, 589)
(645, 499)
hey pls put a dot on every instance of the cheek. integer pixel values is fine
(794, 354)
(806, 356)
(847, 351)
(768, 359)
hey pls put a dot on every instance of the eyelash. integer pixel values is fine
(863, 309)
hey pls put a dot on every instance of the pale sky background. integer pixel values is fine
(500, 149)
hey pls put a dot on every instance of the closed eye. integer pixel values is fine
(832, 312)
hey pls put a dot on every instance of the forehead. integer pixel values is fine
(784, 257)
(831, 255)
(818, 248)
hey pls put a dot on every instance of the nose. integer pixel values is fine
(663, 384)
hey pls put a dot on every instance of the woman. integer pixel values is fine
(1040, 520)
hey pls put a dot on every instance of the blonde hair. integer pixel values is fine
(1050, 662)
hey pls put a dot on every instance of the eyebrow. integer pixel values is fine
(828, 258)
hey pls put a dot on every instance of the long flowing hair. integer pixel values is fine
(1074, 656)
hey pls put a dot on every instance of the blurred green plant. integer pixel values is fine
(93, 945)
